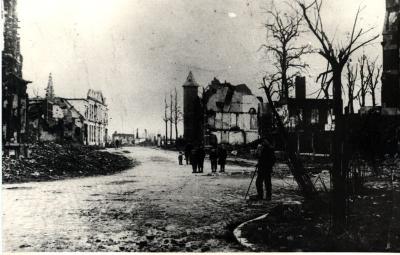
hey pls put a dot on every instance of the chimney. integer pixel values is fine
(300, 87)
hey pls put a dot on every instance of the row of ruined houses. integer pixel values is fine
(231, 114)
(26, 120)
(78, 120)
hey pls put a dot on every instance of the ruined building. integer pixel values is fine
(309, 121)
(14, 96)
(391, 56)
(225, 113)
(78, 120)
(231, 113)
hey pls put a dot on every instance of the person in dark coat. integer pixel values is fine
(180, 158)
(266, 160)
(222, 154)
(193, 159)
(213, 159)
(201, 154)
(188, 150)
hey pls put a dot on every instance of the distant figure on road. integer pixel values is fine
(201, 154)
(188, 151)
(117, 143)
(193, 159)
(180, 158)
(266, 160)
(222, 154)
(213, 159)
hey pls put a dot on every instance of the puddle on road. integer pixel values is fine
(19, 188)
(121, 199)
(130, 192)
(159, 159)
(120, 182)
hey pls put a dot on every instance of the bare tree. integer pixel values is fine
(166, 119)
(337, 57)
(177, 116)
(351, 83)
(282, 31)
(374, 73)
(326, 82)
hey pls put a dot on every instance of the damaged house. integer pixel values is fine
(55, 120)
(78, 120)
(224, 113)
(308, 120)
(231, 112)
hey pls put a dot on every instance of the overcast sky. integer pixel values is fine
(136, 51)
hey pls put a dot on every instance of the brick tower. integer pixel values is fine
(192, 113)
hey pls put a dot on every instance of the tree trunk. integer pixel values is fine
(166, 133)
(339, 167)
(170, 122)
(373, 98)
(176, 130)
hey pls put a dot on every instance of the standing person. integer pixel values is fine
(116, 143)
(266, 161)
(188, 150)
(213, 159)
(201, 154)
(222, 154)
(193, 159)
(180, 158)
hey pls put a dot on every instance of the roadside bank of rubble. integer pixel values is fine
(52, 161)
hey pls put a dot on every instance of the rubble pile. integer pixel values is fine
(52, 161)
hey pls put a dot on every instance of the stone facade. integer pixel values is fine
(391, 56)
(95, 112)
(14, 96)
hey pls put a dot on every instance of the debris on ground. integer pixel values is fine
(372, 224)
(52, 161)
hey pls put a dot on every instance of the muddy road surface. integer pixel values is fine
(155, 206)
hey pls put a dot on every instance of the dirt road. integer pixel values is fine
(156, 206)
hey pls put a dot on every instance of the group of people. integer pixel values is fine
(196, 155)
(265, 161)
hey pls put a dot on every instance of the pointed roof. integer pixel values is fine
(190, 81)
(50, 88)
